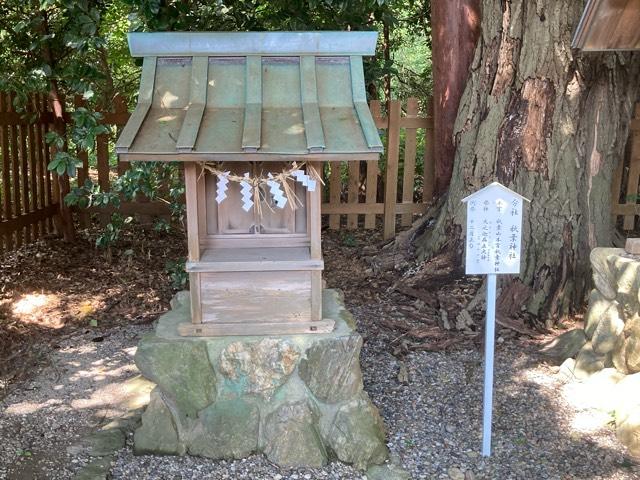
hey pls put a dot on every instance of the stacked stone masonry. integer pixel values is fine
(298, 399)
(609, 345)
(612, 322)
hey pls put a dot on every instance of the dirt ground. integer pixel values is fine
(50, 290)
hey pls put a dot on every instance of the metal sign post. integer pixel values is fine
(494, 233)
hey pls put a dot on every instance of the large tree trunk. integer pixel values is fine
(551, 124)
(455, 28)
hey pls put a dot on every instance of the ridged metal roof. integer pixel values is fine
(254, 95)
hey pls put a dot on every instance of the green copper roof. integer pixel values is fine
(253, 95)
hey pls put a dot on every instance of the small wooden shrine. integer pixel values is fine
(252, 116)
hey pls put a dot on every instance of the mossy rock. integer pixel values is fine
(181, 369)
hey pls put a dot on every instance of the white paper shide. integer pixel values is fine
(494, 230)
(246, 190)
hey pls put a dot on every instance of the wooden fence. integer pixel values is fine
(626, 179)
(399, 195)
(360, 193)
(27, 188)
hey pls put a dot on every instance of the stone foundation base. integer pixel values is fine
(298, 399)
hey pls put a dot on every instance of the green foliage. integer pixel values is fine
(64, 163)
(90, 195)
(111, 233)
(162, 226)
(159, 181)
(50, 41)
(86, 127)
(151, 180)
(408, 22)
(177, 274)
(349, 240)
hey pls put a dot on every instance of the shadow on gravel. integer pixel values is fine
(85, 384)
(435, 420)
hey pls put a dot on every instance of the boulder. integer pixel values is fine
(564, 346)
(292, 438)
(598, 305)
(331, 368)
(628, 432)
(603, 277)
(627, 273)
(387, 472)
(619, 356)
(632, 354)
(565, 372)
(627, 394)
(227, 429)
(596, 391)
(627, 412)
(105, 442)
(181, 300)
(258, 367)
(158, 433)
(356, 434)
(608, 330)
(588, 362)
(181, 369)
(97, 469)
(632, 326)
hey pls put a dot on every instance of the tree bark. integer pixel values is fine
(550, 123)
(64, 222)
(455, 30)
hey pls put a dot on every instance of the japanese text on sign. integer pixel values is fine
(494, 224)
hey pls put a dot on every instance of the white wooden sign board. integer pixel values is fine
(494, 233)
(494, 230)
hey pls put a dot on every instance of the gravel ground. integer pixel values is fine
(542, 428)
(433, 419)
(82, 387)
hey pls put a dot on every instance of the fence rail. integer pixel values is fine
(28, 189)
(359, 192)
(626, 179)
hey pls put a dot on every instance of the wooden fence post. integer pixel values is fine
(335, 188)
(24, 177)
(373, 169)
(41, 166)
(352, 192)
(391, 176)
(15, 173)
(102, 161)
(6, 172)
(429, 163)
(409, 171)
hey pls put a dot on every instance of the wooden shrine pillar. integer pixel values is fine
(455, 26)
